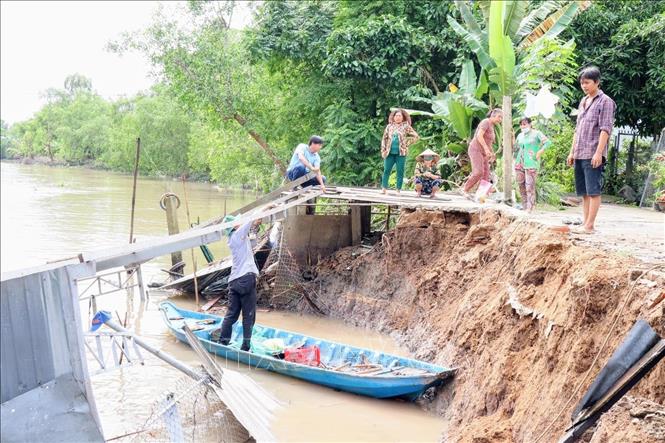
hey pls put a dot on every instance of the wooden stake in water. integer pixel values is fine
(196, 281)
(136, 173)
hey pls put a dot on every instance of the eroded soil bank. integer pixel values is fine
(457, 289)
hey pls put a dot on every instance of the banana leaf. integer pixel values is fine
(483, 84)
(474, 42)
(419, 112)
(471, 24)
(515, 12)
(535, 17)
(455, 148)
(556, 23)
(484, 8)
(467, 79)
(501, 49)
(459, 118)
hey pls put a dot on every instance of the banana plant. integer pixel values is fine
(508, 29)
(459, 105)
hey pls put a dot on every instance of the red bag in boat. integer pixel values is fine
(307, 355)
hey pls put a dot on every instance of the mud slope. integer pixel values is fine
(458, 289)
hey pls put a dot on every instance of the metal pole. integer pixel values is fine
(136, 172)
(156, 352)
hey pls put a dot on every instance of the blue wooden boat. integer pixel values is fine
(343, 367)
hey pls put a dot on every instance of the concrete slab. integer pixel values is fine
(56, 412)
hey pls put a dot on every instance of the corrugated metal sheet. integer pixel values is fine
(39, 337)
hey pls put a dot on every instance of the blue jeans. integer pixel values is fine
(588, 180)
(299, 171)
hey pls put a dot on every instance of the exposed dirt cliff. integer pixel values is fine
(520, 310)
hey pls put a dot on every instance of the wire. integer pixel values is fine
(602, 347)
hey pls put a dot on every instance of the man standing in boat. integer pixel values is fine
(242, 282)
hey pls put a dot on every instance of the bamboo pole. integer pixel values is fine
(196, 280)
(136, 173)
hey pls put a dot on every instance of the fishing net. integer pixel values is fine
(285, 281)
(191, 411)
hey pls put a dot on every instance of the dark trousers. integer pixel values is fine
(242, 297)
(299, 171)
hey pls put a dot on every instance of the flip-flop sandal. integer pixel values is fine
(582, 231)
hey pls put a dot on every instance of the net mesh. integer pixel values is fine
(190, 412)
(285, 281)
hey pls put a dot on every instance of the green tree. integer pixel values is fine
(164, 129)
(206, 67)
(499, 42)
(625, 40)
(357, 60)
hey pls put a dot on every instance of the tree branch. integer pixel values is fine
(430, 79)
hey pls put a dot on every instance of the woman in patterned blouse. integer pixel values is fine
(397, 137)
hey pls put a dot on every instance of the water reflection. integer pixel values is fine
(50, 213)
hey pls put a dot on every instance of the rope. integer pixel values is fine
(602, 347)
(162, 200)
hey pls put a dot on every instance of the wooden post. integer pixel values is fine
(387, 220)
(365, 220)
(136, 173)
(171, 203)
(356, 225)
(507, 149)
(189, 223)
(139, 279)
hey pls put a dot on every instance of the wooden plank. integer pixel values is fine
(210, 304)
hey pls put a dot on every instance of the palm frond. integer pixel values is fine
(556, 23)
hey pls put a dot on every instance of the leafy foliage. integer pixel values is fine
(625, 39)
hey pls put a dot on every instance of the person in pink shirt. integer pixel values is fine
(480, 150)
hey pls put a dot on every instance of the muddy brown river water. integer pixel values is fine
(50, 213)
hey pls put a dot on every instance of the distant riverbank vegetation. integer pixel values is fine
(230, 106)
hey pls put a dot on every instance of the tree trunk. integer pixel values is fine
(507, 149)
(630, 162)
(264, 145)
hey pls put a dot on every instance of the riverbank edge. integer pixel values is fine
(96, 166)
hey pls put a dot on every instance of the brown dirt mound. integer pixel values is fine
(519, 309)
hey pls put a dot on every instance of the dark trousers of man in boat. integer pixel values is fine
(242, 298)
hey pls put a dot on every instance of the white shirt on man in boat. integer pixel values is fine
(242, 255)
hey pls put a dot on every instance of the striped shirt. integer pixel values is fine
(598, 116)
